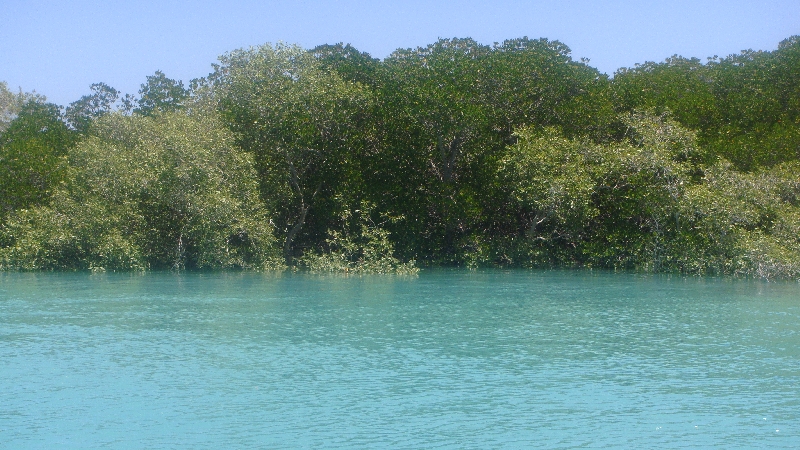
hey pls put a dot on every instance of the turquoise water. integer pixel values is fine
(451, 359)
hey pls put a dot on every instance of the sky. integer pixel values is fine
(59, 48)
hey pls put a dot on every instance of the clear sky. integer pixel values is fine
(59, 48)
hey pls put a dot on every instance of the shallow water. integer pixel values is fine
(451, 359)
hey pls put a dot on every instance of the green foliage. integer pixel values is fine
(169, 191)
(680, 85)
(33, 152)
(745, 224)
(759, 112)
(349, 63)
(744, 107)
(551, 181)
(81, 113)
(535, 82)
(72, 235)
(448, 111)
(161, 94)
(600, 205)
(505, 155)
(9, 105)
(303, 125)
(639, 205)
(360, 246)
(431, 153)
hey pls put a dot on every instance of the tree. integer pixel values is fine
(535, 82)
(10, 103)
(161, 94)
(756, 91)
(165, 192)
(431, 150)
(81, 113)
(8, 106)
(33, 151)
(743, 107)
(746, 224)
(684, 86)
(349, 63)
(450, 109)
(551, 182)
(302, 124)
(359, 246)
(614, 205)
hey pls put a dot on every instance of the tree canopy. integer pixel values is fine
(456, 154)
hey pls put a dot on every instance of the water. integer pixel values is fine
(451, 359)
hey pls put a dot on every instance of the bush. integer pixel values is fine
(360, 246)
(744, 223)
(165, 192)
(640, 204)
(601, 205)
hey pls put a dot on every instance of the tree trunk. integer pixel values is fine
(287, 246)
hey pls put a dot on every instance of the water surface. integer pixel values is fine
(451, 359)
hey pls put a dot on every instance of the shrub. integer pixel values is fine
(170, 191)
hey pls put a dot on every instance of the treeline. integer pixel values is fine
(454, 154)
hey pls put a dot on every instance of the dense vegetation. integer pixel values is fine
(457, 153)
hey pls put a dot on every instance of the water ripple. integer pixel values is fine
(447, 360)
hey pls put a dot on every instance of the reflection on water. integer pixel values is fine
(451, 359)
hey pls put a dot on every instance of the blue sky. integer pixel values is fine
(59, 48)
